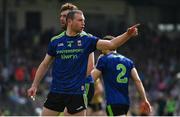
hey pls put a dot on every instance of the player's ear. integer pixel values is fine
(67, 21)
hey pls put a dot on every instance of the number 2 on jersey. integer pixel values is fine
(120, 78)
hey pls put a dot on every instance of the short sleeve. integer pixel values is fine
(93, 40)
(100, 64)
(131, 64)
(51, 50)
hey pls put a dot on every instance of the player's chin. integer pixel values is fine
(63, 25)
(80, 30)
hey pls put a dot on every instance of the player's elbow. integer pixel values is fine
(138, 82)
(106, 45)
(94, 75)
(112, 46)
(45, 64)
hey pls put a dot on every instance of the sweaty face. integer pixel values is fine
(78, 23)
(63, 19)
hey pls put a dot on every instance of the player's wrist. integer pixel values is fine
(128, 35)
(34, 85)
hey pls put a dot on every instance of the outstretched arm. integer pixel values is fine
(41, 71)
(119, 40)
(140, 89)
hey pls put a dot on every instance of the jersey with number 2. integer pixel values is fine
(116, 71)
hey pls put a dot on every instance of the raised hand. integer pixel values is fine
(133, 30)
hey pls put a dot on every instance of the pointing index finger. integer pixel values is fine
(134, 26)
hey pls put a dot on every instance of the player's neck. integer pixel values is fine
(106, 52)
(71, 33)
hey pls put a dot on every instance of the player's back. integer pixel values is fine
(116, 71)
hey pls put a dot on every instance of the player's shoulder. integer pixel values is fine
(83, 33)
(122, 56)
(126, 59)
(58, 36)
(119, 56)
(102, 58)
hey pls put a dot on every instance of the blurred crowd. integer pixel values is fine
(155, 55)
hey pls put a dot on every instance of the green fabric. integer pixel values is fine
(58, 36)
(85, 99)
(87, 88)
(171, 106)
(110, 110)
(85, 34)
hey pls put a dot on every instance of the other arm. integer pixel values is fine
(41, 71)
(90, 64)
(140, 89)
